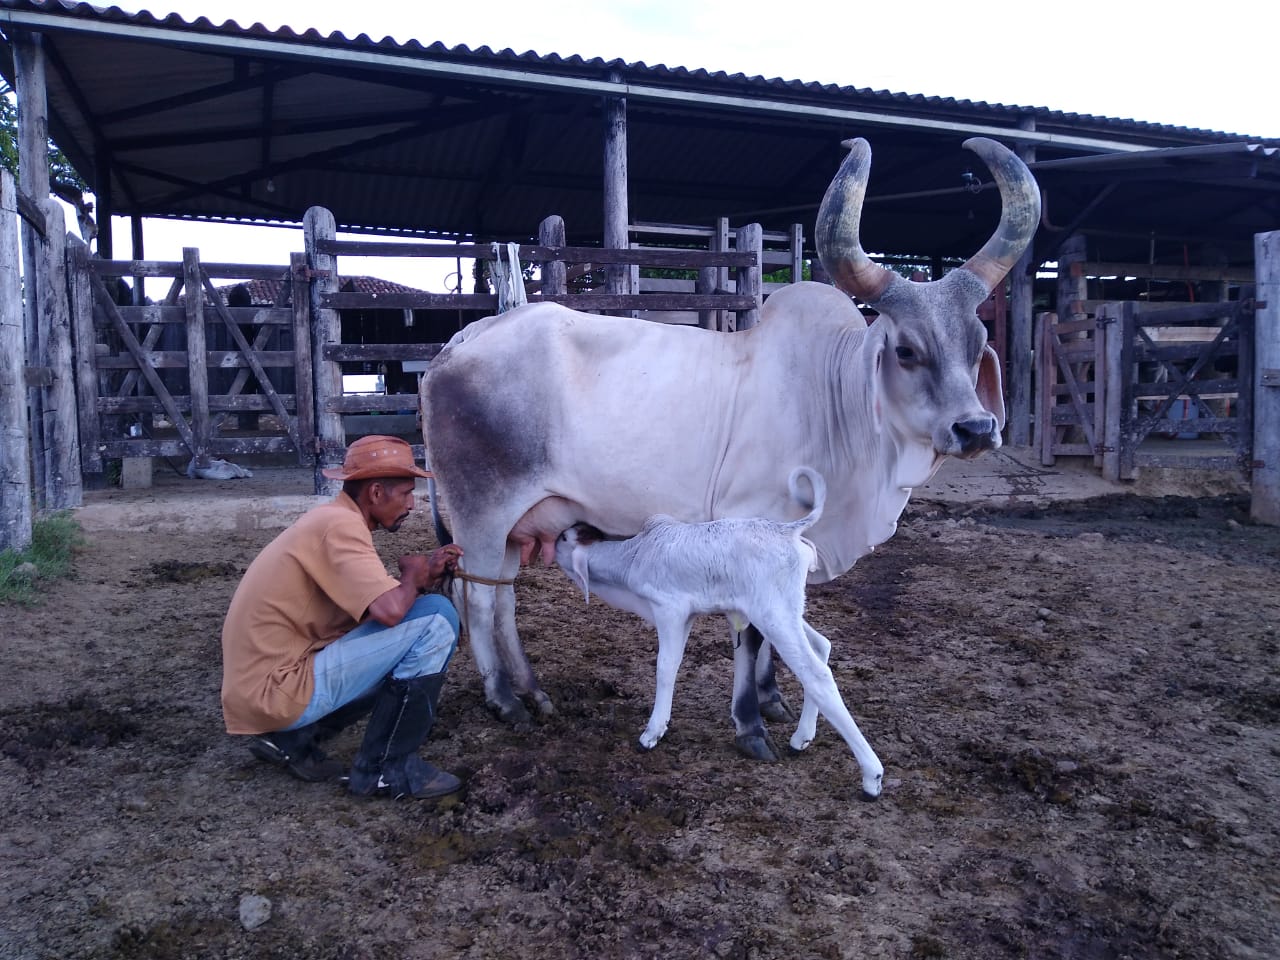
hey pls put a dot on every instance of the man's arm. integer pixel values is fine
(418, 574)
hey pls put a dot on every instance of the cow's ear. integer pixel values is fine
(991, 385)
(580, 568)
(877, 390)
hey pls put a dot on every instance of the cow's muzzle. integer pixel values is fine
(973, 435)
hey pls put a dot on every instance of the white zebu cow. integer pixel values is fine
(544, 417)
(751, 569)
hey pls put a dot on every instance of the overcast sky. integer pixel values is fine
(1209, 66)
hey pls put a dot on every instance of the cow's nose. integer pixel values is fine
(974, 434)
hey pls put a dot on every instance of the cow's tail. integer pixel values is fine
(443, 536)
(815, 501)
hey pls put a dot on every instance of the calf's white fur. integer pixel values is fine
(752, 570)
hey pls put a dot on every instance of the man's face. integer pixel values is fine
(390, 501)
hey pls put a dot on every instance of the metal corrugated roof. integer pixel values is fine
(168, 117)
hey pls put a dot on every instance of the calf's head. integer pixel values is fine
(934, 377)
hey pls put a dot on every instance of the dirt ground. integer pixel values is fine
(1076, 705)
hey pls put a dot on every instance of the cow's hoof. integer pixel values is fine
(775, 710)
(755, 747)
(513, 714)
(545, 707)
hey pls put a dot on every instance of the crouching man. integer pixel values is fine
(319, 634)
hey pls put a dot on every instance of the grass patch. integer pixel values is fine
(54, 541)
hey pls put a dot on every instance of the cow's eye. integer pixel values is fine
(907, 356)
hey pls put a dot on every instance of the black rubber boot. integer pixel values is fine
(296, 751)
(328, 727)
(387, 761)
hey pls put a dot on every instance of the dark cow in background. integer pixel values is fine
(544, 417)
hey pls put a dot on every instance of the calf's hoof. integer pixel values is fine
(756, 747)
(872, 786)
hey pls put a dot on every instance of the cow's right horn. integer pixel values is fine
(1020, 213)
(836, 233)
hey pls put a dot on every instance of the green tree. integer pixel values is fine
(64, 181)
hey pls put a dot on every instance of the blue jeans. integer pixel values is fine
(357, 662)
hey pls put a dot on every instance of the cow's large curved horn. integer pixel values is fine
(1020, 198)
(836, 234)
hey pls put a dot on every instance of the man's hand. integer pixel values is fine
(415, 569)
(425, 572)
(443, 560)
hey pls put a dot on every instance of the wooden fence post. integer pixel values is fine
(197, 355)
(554, 272)
(616, 208)
(63, 485)
(1111, 318)
(15, 440)
(1047, 378)
(751, 237)
(303, 363)
(84, 343)
(796, 244)
(326, 327)
(33, 181)
(1265, 505)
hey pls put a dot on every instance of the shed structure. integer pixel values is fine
(170, 118)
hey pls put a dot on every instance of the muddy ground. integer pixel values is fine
(1076, 706)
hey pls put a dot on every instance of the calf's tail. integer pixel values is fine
(817, 498)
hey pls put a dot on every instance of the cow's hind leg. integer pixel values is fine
(524, 683)
(772, 705)
(478, 608)
(750, 736)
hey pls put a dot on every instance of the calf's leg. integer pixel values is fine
(673, 635)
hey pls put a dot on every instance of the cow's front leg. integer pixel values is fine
(772, 706)
(750, 736)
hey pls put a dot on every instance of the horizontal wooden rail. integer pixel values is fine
(381, 351)
(218, 403)
(166, 268)
(261, 316)
(642, 257)
(372, 403)
(217, 359)
(175, 447)
(576, 301)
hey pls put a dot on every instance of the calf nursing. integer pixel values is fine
(752, 570)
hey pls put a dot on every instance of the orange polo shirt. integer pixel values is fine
(311, 585)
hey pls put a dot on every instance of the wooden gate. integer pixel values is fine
(186, 376)
(1183, 372)
(1072, 389)
(1156, 385)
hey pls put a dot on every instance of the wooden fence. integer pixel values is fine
(1132, 372)
(194, 377)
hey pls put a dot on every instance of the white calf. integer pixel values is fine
(752, 570)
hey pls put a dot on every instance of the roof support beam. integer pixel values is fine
(574, 84)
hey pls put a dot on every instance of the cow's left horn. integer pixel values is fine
(1020, 197)
(836, 234)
